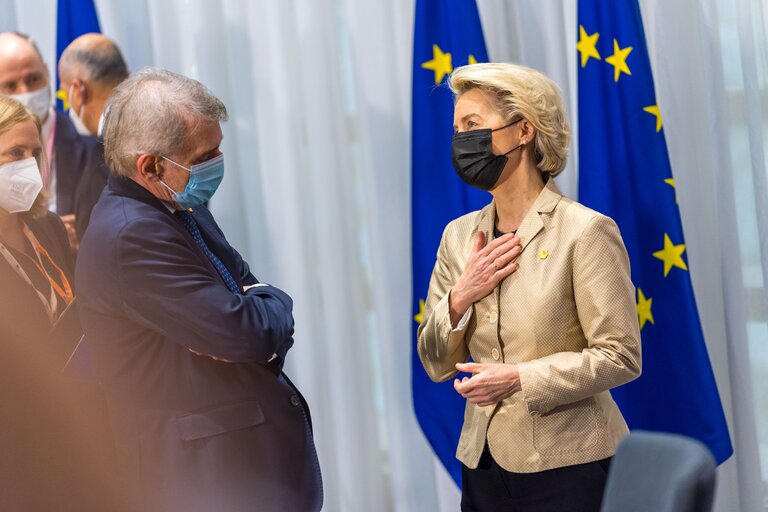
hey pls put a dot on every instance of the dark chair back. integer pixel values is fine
(661, 473)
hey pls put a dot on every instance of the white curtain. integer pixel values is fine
(317, 195)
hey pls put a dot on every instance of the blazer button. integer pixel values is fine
(493, 317)
(295, 401)
(495, 354)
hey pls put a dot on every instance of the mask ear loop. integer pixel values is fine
(82, 97)
(176, 163)
(522, 143)
(507, 125)
(514, 148)
(166, 185)
(161, 179)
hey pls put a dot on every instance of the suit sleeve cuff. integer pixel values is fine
(448, 336)
(529, 389)
(464, 319)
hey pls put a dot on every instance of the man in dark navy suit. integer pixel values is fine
(189, 346)
(89, 70)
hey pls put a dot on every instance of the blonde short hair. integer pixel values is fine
(517, 92)
(12, 113)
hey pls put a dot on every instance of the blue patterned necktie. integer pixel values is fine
(191, 225)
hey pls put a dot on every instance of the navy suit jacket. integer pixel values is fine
(201, 420)
(92, 182)
(75, 154)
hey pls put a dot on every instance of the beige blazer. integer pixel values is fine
(566, 318)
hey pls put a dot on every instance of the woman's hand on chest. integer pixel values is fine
(487, 266)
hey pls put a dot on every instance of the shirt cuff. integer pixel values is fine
(257, 285)
(464, 319)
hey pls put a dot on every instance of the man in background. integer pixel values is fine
(24, 76)
(89, 70)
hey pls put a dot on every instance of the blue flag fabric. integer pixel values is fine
(73, 19)
(447, 34)
(624, 172)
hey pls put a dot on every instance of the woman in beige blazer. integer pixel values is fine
(536, 289)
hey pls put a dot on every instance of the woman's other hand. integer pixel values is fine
(490, 382)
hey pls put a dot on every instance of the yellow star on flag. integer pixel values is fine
(644, 313)
(654, 110)
(619, 60)
(472, 59)
(586, 46)
(671, 255)
(671, 183)
(62, 95)
(440, 63)
(420, 315)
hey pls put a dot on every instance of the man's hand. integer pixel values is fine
(490, 383)
(487, 267)
(69, 224)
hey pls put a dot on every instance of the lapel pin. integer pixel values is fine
(543, 254)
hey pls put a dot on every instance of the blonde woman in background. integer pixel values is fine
(536, 289)
(50, 428)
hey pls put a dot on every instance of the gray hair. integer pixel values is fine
(152, 112)
(103, 64)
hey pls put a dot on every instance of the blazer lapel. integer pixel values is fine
(217, 243)
(531, 225)
(128, 188)
(533, 222)
(486, 223)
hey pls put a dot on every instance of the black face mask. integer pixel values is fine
(474, 160)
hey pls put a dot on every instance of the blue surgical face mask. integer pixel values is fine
(204, 179)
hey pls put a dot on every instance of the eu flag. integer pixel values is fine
(73, 19)
(447, 34)
(624, 172)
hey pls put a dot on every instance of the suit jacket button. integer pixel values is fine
(495, 354)
(295, 401)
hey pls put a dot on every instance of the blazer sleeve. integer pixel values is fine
(440, 346)
(246, 277)
(605, 302)
(165, 288)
